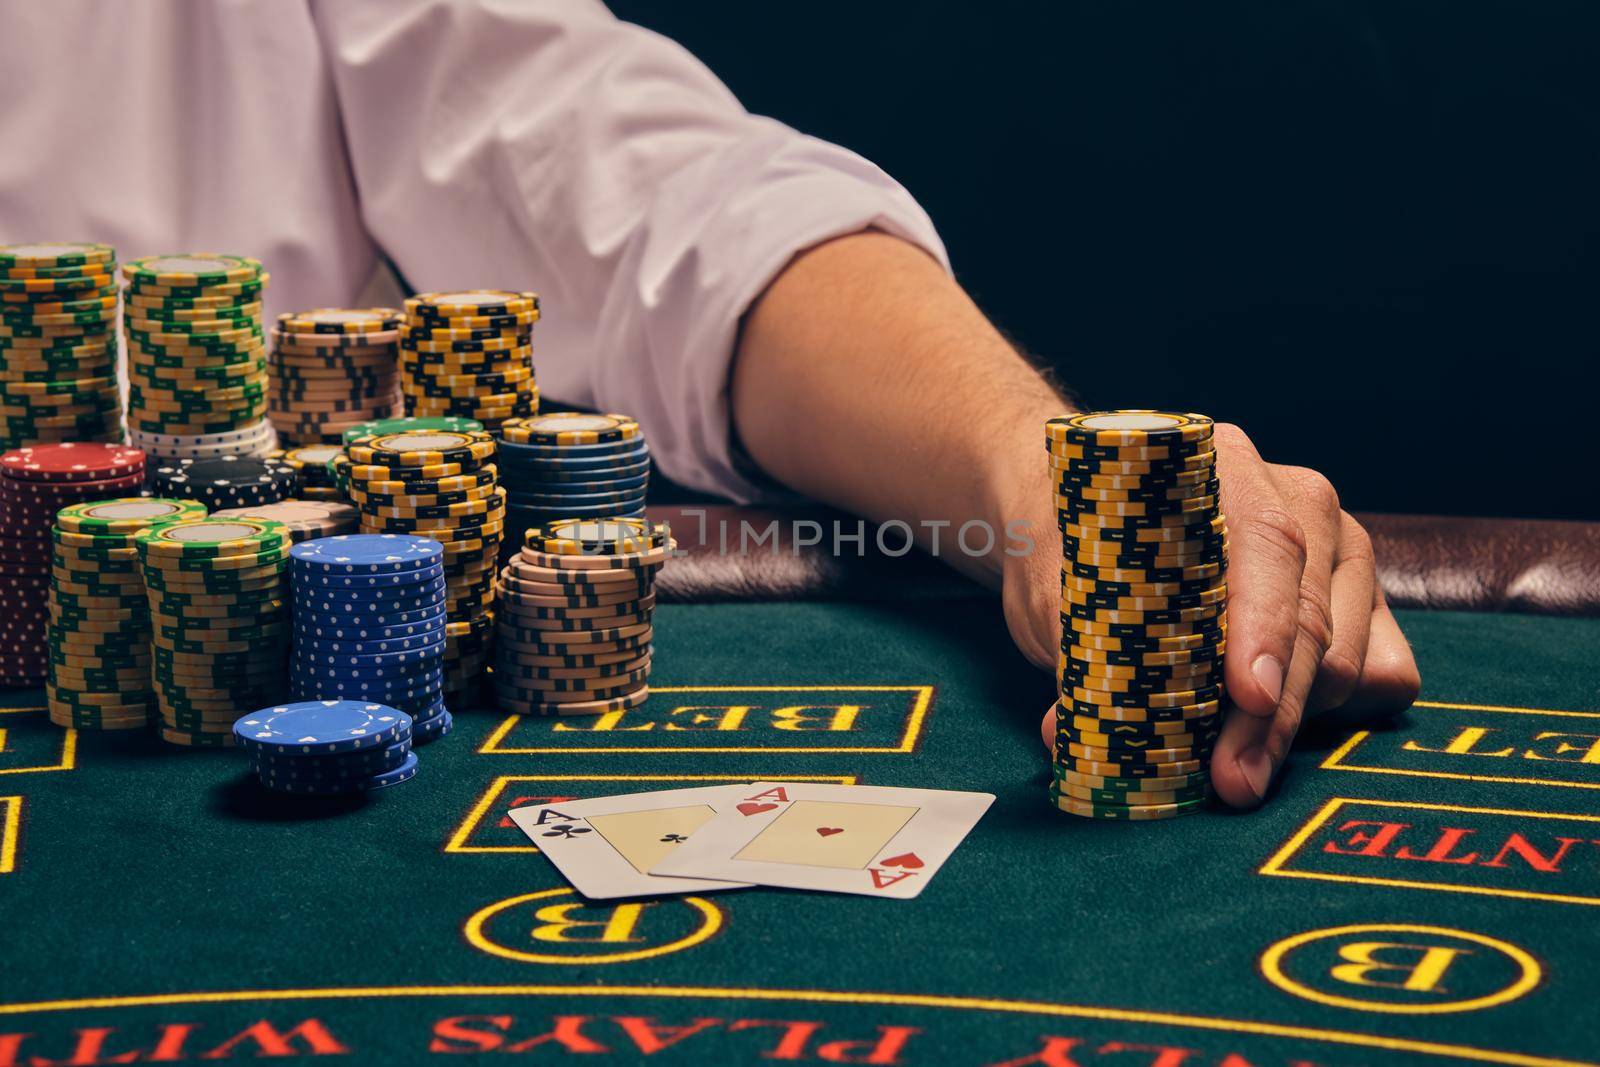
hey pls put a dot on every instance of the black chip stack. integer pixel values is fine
(225, 481)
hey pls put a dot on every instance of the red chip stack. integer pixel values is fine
(35, 483)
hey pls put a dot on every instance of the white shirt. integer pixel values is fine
(513, 144)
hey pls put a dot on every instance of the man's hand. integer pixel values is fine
(903, 402)
(1308, 628)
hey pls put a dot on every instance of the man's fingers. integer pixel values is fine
(1389, 679)
(1267, 555)
(1316, 506)
(1354, 593)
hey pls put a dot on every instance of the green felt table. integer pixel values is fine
(1420, 894)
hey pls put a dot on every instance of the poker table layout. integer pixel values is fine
(1420, 893)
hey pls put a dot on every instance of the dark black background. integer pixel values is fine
(1368, 232)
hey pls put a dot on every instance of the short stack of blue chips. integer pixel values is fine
(328, 747)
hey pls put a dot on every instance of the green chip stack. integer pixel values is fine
(218, 592)
(1143, 613)
(99, 617)
(442, 485)
(469, 354)
(58, 344)
(197, 372)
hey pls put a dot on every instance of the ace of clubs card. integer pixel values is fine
(605, 846)
(871, 840)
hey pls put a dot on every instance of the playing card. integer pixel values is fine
(605, 846)
(871, 840)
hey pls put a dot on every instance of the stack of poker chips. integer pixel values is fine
(369, 614)
(99, 617)
(197, 372)
(58, 344)
(575, 617)
(225, 481)
(339, 466)
(569, 465)
(1143, 597)
(252, 441)
(332, 368)
(304, 519)
(378, 427)
(314, 478)
(470, 354)
(219, 622)
(35, 483)
(328, 747)
(441, 485)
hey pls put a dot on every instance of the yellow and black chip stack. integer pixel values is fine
(99, 616)
(331, 369)
(470, 354)
(218, 592)
(442, 485)
(576, 604)
(58, 344)
(1143, 613)
(197, 373)
(311, 467)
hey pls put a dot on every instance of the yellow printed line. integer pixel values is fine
(907, 743)
(1274, 866)
(1509, 709)
(10, 830)
(821, 996)
(69, 746)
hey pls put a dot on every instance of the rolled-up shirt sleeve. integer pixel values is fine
(548, 145)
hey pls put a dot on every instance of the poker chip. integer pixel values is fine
(1143, 609)
(195, 352)
(36, 483)
(226, 481)
(320, 728)
(253, 440)
(314, 475)
(332, 369)
(58, 306)
(433, 485)
(111, 688)
(566, 465)
(574, 639)
(469, 355)
(370, 613)
(219, 622)
(305, 519)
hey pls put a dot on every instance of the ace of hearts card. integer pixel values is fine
(875, 841)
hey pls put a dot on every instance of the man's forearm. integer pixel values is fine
(866, 378)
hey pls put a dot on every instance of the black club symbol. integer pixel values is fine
(675, 839)
(565, 830)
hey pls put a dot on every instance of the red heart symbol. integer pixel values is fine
(829, 831)
(755, 809)
(909, 860)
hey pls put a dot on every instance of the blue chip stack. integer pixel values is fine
(571, 465)
(369, 625)
(328, 747)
